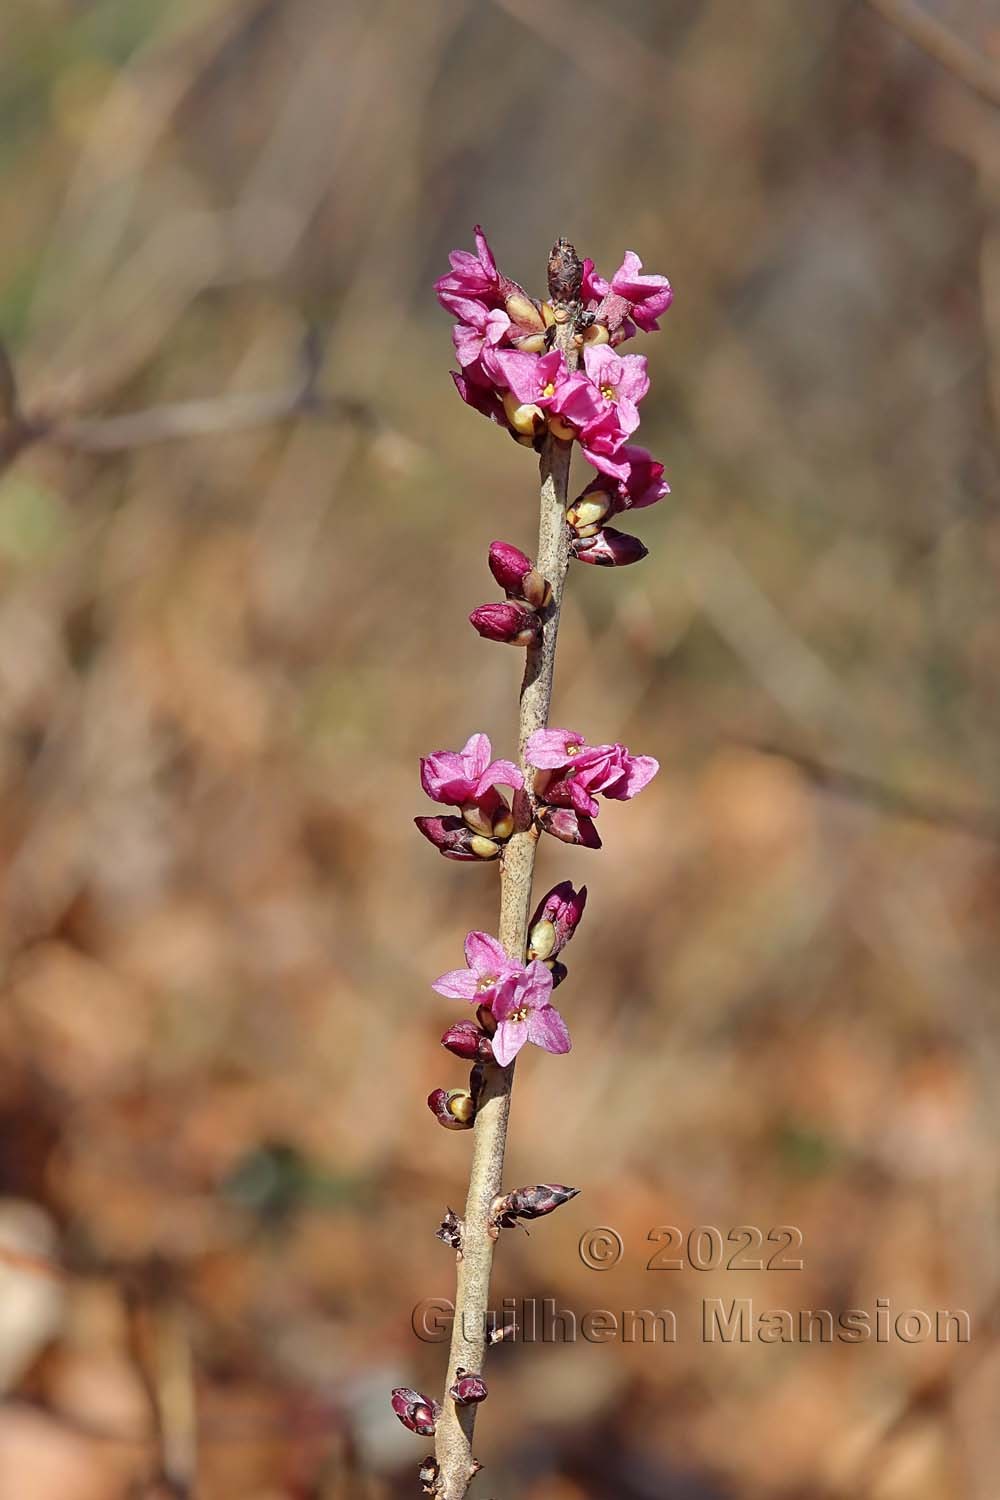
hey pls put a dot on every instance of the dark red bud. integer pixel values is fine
(609, 549)
(416, 1412)
(462, 1038)
(508, 564)
(453, 838)
(512, 623)
(529, 1203)
(468, 1389)
(450, 1231)
(570, 827)
(516, 574)
(453, 1108)
(556, 918)
(535, 1202)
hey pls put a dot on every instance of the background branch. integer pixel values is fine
(931, 35)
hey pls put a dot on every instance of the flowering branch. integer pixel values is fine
(549, 374)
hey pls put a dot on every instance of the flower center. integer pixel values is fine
(519, 1015)
(609, 392)
(572, 749)
(486, 982)
(549, 390)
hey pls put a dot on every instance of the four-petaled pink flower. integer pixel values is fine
(628, 299)
(472, 279)
(488, 965)
(608, 770)
(466, 775)
(543, 380)
(523, 1009)
(649, 295)
(621, 382)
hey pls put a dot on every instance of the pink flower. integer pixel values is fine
(483, 331)
(594, 287)
(487, 965)
(475, 286)
(645, 484)
(524, 1012)
(610, 770)
(551, 749)
(649, 295)
(481, 397)
(543, 380)
(472, 278)
(621, 380)
(466, 775)
(628, 299)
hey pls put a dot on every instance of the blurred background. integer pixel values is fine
(242, 519)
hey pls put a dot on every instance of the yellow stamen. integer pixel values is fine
(609, 392)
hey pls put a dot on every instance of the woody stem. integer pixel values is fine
(453, 1449)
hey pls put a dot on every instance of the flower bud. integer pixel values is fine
(416, 1412)
(565, 272)
(450, 1231)
(487, 1021)
(529, 1203)
(609, 549)
(516, 574)
(503, 824)
(489, 815)
(468, 1389)
(561, 429)
(521, 310)
(428, 1474)
(569, 826)
(453, 838)
(548, 314)
(589, 510)
(542, 940)
(531, 343)
(555, 920)
(513, 624)
(527, 420)
(597, 333)
(450, 836)
(462, 1038)
(453, 1108)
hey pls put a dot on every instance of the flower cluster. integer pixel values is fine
(570, 775)
(542, 370)
(469, 780)
(514, 1000)
(510, 373)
